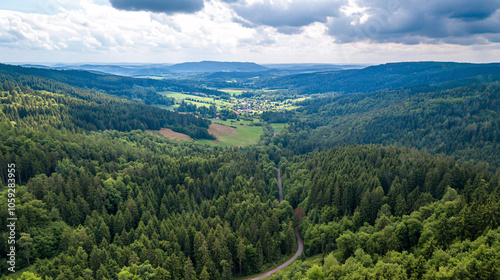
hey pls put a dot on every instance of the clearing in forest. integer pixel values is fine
(233, 133)
(219, 130)
(169, 133)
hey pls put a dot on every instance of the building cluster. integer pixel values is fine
(244, 106)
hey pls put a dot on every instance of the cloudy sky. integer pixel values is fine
(263, 31)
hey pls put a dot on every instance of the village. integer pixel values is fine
(235, 104)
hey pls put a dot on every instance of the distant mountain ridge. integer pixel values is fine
(195, 68)
(130, 88)
(217, 66)
(380, 77)
(160, 69)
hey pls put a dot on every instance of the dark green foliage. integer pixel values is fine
(98, 198)
(278, 117)
(430, 243)
(401, 214)
(125, 199)
(462, 121)
(79, 110)
(126, 87)
(386, 76)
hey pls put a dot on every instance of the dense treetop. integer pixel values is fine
(372, 181)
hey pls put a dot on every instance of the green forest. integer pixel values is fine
(398, 182)
(460, 121)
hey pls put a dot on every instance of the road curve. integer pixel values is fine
(285, 264)
(300, 244)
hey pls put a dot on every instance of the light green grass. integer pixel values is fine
(197, 100)
(233, 91)
(235, 122)
(278, 127)
(213, 143)
(247, 134)
(171, 107)
(198, 104)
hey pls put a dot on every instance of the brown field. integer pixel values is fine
(219, 130)
(169, 133)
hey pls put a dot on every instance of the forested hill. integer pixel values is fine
(463, 121)
(145, 90)
(34, 102)
(96, 199)
(217, 66)
(386, 76)
(386, 213)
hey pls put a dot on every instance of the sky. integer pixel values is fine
(261, 31)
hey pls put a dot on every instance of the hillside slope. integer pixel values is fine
(34, 102)
(386, 76)
(462, 121)
(145, 90)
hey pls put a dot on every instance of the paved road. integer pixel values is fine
(300, 247)
(285, 264)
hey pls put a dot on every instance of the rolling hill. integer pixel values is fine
(385, 76)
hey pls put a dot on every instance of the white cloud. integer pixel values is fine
(92, 30)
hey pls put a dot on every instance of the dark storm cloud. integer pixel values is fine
(462, 22)
(159, 6)
(287, 16)
(401, 21)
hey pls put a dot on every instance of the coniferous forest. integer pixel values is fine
(398, 181)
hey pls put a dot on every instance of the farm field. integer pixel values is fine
(166, 132)
(197, 100)
(228, 133)
(233, 91)
(234, 133)
(247, 135)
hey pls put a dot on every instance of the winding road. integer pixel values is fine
(300, 247)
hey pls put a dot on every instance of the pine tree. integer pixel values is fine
(241, 253)
(204, 274)
(189, 273)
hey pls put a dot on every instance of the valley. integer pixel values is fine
(249, 140)
(127, 177)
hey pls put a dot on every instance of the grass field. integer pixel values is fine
(198, 100)
(214, 143)
(171, 108)
(247, 134)
(235, 122)
(233, 91)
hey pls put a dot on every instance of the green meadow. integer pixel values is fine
(197, 100)
(247, 134)
(233, 91)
